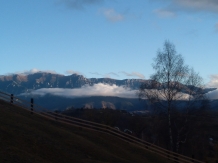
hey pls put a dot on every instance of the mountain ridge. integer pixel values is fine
(18, 84)
(22, 86)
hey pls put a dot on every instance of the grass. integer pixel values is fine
(30, 138)
(200, 127)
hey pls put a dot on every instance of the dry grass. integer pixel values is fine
(31, 138)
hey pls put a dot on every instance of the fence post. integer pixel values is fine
(31, 106)
(56, 112)
(12, 98)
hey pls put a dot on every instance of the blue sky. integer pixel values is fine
(106, 38)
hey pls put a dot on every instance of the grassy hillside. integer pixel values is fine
(31, 138)
(155, 129)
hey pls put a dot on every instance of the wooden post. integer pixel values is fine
(31, 106)
(56, 112)
(12, 98)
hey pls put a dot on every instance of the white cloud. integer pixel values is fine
(164, 13)
(95, 90)
(107, 75)
(113, 73)
(99, 89)
(70, 72)
(112, 16)
(213, 94)
(213, 81)
(95, 73)
(32, 71)
(134, 74)
(161, 95)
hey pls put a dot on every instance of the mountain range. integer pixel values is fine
(23, 86)
(18, 84)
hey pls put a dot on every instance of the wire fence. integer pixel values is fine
(36, 109)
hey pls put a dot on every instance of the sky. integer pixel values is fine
(107, 38)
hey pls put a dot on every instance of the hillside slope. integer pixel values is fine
(31, 138)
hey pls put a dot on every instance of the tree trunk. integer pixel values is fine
(178, 143)
(170, 130)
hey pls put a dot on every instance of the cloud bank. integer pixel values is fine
(95, 90)
(86, 91)
(213, 95)
(213, 83)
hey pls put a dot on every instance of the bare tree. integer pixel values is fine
(173, 81)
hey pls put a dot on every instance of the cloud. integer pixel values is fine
(111, 15)
(198, 5)
(135, 74)
(164, 13)
(95, 73)
(213, 95)
(160, 94)
(70, 72)
(99, 89)
(210, 6)
(113, 73)
(107, 75)
(95, 90)
(32, 71)
(213, 81)
(79, 4)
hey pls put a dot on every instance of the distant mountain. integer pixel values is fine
(18, 84)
